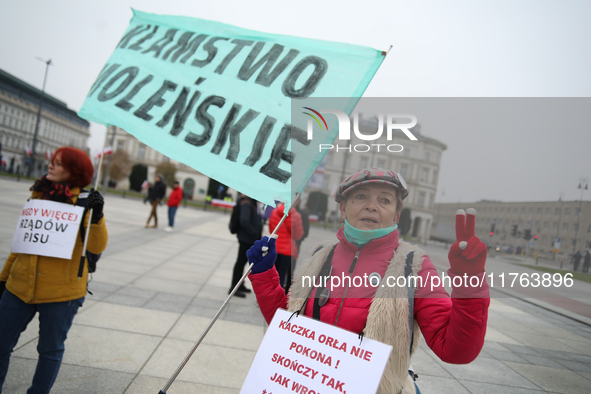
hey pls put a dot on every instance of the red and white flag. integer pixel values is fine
(48, 154)
(108, 150)
(3, 161)
(28, 150)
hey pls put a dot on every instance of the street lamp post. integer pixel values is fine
(32, 159)
(558, 226)
(583, 185)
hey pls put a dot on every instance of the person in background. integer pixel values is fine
(31, 284)
(586, 262)
(155, 195)
(368, 246)
(305, 214)
(287, 235)
(251, 229)
(576, 259)
(173, 203)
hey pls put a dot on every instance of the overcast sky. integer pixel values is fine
(440, 49)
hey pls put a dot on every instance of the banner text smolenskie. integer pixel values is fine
(124, 82)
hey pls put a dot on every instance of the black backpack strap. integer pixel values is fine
(324, 272)
(411, 296)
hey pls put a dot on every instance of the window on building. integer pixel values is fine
(515, 210)
(539, 211)
(381, 163)
(425, 175)
(556, 211)
(404, 170)
(427, 156)
(589, 229)
(326, 181)
(564, 226)
(120, 145)
(165, 159)
(531, 211)
(566, 211)
(547, 211)
(554, 226)
(142, 151)
(421, 200)
(363, 162)
(434, 176)
(522, 210)
(575, 227)
(545, 225)
(543, 239)
(406, 152)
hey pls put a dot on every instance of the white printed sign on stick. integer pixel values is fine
(47, 228)
(303, 355)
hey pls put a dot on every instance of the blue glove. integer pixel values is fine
(262, 254)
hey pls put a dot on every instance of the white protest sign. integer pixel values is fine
(303, 355)
(47, 228)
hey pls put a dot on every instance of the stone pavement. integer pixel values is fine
(154, 292)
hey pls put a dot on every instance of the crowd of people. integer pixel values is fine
(367, 245)
(580, 256)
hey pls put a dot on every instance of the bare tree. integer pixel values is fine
(120, 166)
(168, 171)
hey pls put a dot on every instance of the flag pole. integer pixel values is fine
(219, 312)
(83, 257)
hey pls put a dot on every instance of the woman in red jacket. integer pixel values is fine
(173, 203)
(369, 299)
(287, 250)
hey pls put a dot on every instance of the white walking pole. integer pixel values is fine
(83, 257)
(211, 323)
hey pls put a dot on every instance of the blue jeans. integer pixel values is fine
(55, 320)
(171, 213)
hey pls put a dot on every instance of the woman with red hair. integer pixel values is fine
(50, 286)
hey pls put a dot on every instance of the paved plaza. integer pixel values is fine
(154, 292)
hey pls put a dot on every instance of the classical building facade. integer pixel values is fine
(417, 161)
(59, 125)
(194, 183)
(565, 222)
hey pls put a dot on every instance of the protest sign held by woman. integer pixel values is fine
(382, 309)
(31, 284)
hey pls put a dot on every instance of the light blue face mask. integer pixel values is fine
(361, 237)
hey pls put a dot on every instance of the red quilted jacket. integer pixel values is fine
(175, 197)
(451, 326)
(290, 231)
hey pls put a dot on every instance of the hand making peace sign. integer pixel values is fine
(468, 254)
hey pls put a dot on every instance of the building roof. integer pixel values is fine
(23, 91)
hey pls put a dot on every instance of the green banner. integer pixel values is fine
(218, 98)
